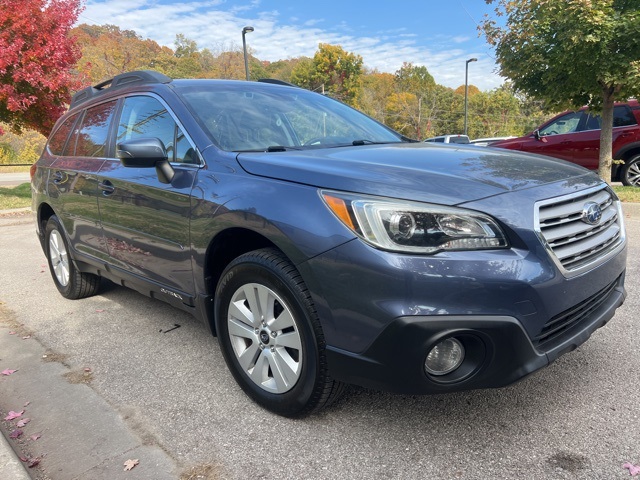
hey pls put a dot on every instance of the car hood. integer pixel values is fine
(414, 171)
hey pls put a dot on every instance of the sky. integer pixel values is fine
(440, 35)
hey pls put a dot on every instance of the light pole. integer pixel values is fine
(244, 48)
(466, 90)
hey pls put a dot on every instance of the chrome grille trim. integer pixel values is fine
(574, 245)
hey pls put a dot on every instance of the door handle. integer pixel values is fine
(107, 187)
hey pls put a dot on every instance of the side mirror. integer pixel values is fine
(146, 153)
(536, 134)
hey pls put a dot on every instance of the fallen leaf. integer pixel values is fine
(27, 404)
(23, 422)
(12, 333)
(87, 369)
(129, 464)
(33, 462)
(24, 459)
(633, 469)
(15, 434)
(13, 415)
(26, 337)
(100, 310)
(35, 436)
(7, 371)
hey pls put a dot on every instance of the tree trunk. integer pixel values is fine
(606, 135)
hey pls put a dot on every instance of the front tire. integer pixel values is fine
(631, 172)
(71, 283)
(270, 335)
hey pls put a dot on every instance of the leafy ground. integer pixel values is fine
(20, 196)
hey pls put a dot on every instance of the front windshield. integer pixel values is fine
(247, 116)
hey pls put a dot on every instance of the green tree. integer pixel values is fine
(571, 53)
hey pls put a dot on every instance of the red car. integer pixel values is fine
(575, 137)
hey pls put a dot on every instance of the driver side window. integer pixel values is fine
(146, 117)
(565, 124)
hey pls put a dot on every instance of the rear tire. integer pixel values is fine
(631, 172)
(270, 335)
(71, 283)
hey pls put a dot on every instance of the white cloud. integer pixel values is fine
(214, 25)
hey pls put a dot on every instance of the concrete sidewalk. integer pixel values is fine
(72, 432)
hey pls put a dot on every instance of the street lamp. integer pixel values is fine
(244, 48)
(466, 90)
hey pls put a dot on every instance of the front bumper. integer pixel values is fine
(498, 350)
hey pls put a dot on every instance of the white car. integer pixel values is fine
(487, 142)
(464, 139)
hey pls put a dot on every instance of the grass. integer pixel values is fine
(20, 196)
(628, 194)
(15, 197)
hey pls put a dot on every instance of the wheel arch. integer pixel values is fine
(44, 213)
(627, 152)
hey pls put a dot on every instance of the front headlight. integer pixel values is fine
(404, 226)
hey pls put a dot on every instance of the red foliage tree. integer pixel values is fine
(36, 57)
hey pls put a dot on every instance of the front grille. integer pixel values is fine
(573, 242)
(562, 322)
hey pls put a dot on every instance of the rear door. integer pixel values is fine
(146, 222)
(73, 180)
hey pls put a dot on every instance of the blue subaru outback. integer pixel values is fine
(321, 247)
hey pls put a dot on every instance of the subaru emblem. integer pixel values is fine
(591, 213)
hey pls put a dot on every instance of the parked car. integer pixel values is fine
(575, 137)
(321, 247)
(462, 139)
(487, 142)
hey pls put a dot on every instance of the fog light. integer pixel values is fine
(445, 357)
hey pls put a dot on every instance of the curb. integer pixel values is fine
(10, 465)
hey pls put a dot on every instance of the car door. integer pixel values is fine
(146, 222)
(73, 180)
(569, 137)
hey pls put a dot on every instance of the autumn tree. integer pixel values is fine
(36, 56)
(571, 53)
(376, 90)
(332, 70)
(108, 51)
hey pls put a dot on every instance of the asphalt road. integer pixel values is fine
(577, 419)
(13, 179)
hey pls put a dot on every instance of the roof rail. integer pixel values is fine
(275, 81)
(119, 81)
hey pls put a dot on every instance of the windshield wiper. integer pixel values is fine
(270, 148)
(369, 142)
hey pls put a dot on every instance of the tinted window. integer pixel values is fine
(146, 117)
(623, 116)
(91, 138)
(59, 139)
(439, 140)
(565, 124)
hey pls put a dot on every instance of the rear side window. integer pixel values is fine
(623, 116)
(59, 139)
(91, 139)
(146, 117)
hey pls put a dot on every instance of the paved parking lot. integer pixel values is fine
(169, 387)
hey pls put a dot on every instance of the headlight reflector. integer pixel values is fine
(404, 226)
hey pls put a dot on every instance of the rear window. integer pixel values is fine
(58, 140)
(92, 136)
